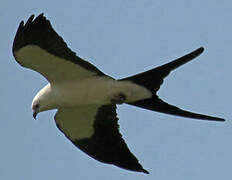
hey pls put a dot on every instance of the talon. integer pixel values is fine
(118, 99)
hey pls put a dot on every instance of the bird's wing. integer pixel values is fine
(95, 130)
(37, 46)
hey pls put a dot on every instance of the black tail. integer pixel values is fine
(156, 104)
(153, 78)
(152, 81)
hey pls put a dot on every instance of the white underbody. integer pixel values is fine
(89, 91)
(71, 85)
(75, 91)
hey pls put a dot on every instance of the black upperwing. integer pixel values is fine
(37, 46)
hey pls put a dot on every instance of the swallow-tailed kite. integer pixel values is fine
(85, 97)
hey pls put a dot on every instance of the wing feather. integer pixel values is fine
(37, 46)
(95, 131)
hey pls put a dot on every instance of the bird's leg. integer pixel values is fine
(118, 98)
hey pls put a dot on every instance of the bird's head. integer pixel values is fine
(39, 104)
(42, 101)
(35, 108)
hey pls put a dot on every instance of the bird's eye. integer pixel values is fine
(36, 106)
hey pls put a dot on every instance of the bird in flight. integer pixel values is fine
(86, 98)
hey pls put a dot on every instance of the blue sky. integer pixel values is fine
(123, 38)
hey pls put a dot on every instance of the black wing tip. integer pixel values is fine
(24, 27)
(41, 15)
(31, 18)
(38, 19)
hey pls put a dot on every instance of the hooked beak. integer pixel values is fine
(35, 114)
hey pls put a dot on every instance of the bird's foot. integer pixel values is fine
(118, 98)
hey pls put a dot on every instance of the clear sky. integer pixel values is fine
(123, 38)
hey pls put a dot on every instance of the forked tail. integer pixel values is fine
(153, 79)
(156, 104)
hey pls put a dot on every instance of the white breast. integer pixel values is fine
(95, 90)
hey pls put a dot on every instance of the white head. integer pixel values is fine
(42, 101)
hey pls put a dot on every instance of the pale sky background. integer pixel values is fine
(123, 38)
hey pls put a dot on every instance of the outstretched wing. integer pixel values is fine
(37, 46)
(94, 129)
